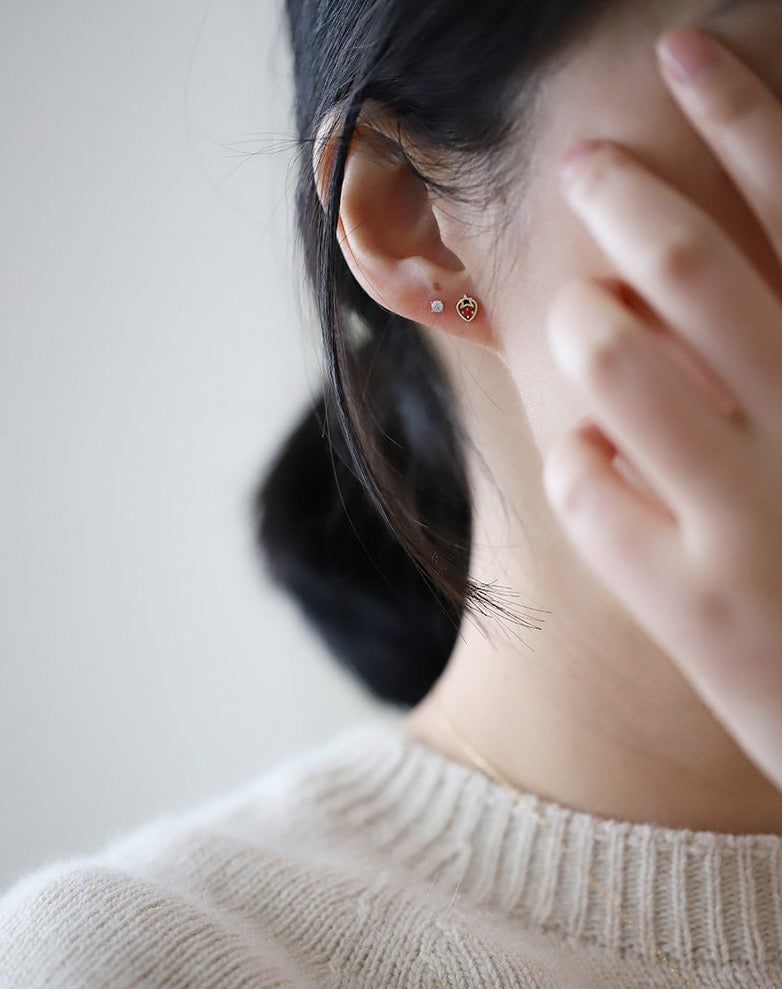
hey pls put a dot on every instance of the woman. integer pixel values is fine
(553, 371)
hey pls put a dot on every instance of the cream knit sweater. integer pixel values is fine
(374, 861)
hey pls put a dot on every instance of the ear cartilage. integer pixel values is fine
(467, 308)
(437, 306)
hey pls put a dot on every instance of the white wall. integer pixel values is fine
(152, 355)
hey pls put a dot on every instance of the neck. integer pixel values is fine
(610, 730)
(586, 710)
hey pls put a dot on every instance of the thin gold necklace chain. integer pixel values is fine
(486, 767)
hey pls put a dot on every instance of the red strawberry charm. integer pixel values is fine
(467, 308)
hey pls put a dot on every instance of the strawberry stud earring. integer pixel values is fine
(467, 308)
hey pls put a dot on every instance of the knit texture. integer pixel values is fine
(374, 861)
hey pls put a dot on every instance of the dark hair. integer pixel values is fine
(364, 514)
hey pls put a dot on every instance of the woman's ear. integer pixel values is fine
(389, 234)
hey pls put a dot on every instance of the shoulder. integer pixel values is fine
(90, 925)
(194, 900)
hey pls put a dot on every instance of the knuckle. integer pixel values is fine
(567, 480)
(577, 496)
(596, 170)
(710, 606)
(682, 257)
(607, 355)
(604, 340)
(733, 102)
(726, 545)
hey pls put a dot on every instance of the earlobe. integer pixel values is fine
(390, 237)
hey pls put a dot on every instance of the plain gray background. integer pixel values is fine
(154, 350)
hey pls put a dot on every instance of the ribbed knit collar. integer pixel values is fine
(700, 897)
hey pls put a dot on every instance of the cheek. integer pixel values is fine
(550, 245)
(556, 248)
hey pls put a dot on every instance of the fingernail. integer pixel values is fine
(687, 54)
(569, 161)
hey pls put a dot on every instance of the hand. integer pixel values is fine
(698, 559)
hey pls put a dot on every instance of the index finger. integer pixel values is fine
(736, 114)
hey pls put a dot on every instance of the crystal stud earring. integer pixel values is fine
(437, 306)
